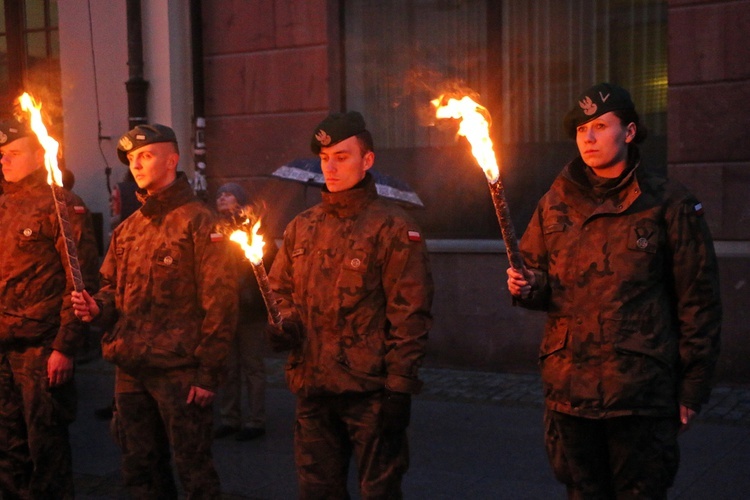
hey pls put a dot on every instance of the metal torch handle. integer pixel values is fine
(265, 290)
(71, 252)
(506, 224)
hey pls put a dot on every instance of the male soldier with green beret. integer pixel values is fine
(355, 293)
(39, 333)
(622, 260)
(169, 299)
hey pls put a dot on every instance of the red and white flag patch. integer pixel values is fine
(414, 236)
(217, 237)
(79, 209)
(698, 208)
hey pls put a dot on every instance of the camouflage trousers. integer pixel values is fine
(35, 454)
(151, 414)
(614, 458)
(328, 429)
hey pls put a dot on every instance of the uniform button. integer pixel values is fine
(579, 321)
(619, 207)
(27, 232)
(356, 263)
(168, 260)
(582, 274)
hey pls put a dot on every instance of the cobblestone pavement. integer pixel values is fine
(728, 404)
(475, 434)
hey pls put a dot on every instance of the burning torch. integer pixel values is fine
(254, 253)
(475, 126)
(54, 179)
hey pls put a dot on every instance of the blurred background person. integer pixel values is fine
(245, 419)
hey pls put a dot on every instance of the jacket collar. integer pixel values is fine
(161, 203)
(36, 178)
(352, 201)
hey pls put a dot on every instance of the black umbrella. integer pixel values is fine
(308, 171)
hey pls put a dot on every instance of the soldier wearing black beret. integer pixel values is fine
(169, 299)
(622, 260)
(39, 333)
(355, 292)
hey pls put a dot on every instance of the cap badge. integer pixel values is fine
(3, 137)
(588, 106)
(126, 143)
(323, 138)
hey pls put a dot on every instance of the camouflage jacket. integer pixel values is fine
(354, 272)
(35, 285)
(168, 286)
(630, 283)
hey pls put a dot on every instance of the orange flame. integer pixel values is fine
(475, 127)
(51, 146)
(253, 250)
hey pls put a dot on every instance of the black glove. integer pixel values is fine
(395, 413)
(285, 338)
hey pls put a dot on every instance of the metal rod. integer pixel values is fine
(274, 315)
(71, 253)
(506, 224)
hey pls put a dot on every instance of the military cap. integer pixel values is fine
(335, 128)
(143, 135)
(594, 102)
(12, 129)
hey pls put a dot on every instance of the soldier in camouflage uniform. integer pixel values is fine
(39, 334)
(355, 293)
(622, 260)
(169, 299)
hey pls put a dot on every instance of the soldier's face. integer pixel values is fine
(344, 165)
(603, 144)
(154, 166)
(20, 158)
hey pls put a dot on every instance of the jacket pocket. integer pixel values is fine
(555, 336)
(639, 338)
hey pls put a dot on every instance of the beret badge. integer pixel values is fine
(323, 138)
(126, 143)
(587, 105)
(3, 137)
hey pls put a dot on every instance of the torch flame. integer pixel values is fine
(253, 250)
(475, 127)
(51, 146)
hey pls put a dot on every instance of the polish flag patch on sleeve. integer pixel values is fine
(79, 209)
(217, 237)
(414, 236)
(698, 209)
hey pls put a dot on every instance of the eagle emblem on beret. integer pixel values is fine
(3, 137)
(125, 143)
(588, 106)
(323, 138)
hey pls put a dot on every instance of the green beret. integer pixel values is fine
(143, 135)
(12, 129)
(599, 99)
(335, 128)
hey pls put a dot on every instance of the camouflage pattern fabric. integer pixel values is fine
(619, 457)
(36, 318)
(35, 461)
(148, 421)
(323, 423)
(353, 272)
(350, 275)
(34, 284)
(168, 286)
(629, 280)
